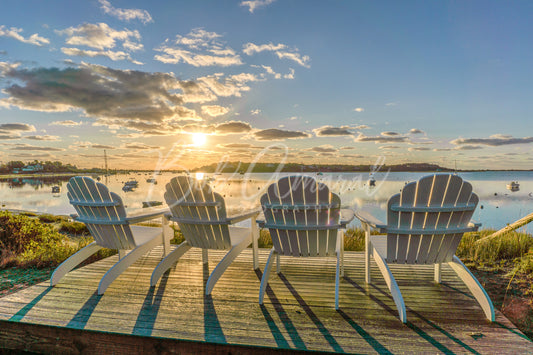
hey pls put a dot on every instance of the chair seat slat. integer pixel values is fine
(199, 204)
(199, 221)
(303, 227)
(398, 208)
(95, 204)
(417, 231)
(101, 221)
(277, 206)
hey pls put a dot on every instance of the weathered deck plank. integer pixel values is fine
(298, 313)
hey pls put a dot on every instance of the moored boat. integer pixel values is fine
(513, 186)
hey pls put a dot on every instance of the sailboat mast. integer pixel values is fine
(105, 166)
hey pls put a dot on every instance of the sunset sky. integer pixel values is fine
(306, 81)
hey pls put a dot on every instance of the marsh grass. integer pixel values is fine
(491, 251)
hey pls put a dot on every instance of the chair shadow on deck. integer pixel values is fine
(24, 310)
(80, 319)
(441, 347)
(212, 329)
(150, 308)
(287, 323)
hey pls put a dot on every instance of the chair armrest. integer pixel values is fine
(147, 216)
(243, 217)
(74, 216)
(372, 221)
(261, 223)
(347, 215)
(474, 225)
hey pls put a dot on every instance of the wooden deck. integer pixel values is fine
(298, 314)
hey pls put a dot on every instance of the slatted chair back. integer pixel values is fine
(302, 216)
(102, 211)
(199, 211)
(427, 220)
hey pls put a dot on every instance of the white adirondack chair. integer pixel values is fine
(425, 223)
(104, 214)
(304, 220)
(201, 215)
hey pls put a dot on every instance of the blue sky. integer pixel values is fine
(326, 82)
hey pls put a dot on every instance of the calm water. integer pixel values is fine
(498, 206)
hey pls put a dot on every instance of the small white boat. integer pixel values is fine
(56, 189)
(130, 185)
(513, 186)
(371, 180)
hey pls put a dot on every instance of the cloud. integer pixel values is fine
(271, 71)
(354, 156)
(418, 149)
(332, 131)
(113, 55)
(31, 156)
(326, 148)
(416, 131)
(199, 48)
(42, 138)
(121, 97)
(255, 112)
(217, 86)
(214, 110)
(17, 127)
(101, 36)
(468, 147)
(380, 139)
(139, 146)
(281, 50)
(66, 123)
(494, 140)
(102, 146)
(254, 4)
(239, 146)
(230, 127)
(274, 134)
(125, 14)
(389, 147)
(358, 109)
(389, 134)
(14, 33)
(8, 135)
(33, 147)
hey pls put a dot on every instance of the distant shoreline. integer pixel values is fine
(36, 175)
(322, 170)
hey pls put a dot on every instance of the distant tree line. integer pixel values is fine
(239, 167)
(48, 167)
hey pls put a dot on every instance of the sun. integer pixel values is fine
(198, 139)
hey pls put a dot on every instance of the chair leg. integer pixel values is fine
(368, 250)
(474, 286)
(392, 285)
(205, 256)
(166, 236)
(266, 274)
(255, 240)
(340, 249)
(224, 263)
(125, 262)
(73, 261)
(337, 278)
(437, 275)
(168, 262)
